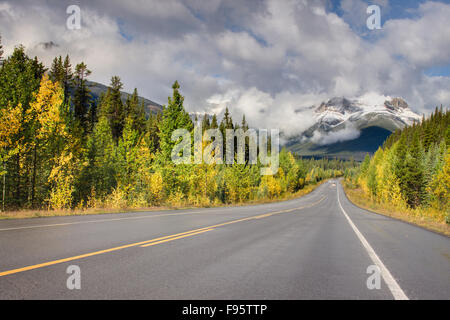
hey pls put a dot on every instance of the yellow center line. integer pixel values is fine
(175, 238)
(152, 241)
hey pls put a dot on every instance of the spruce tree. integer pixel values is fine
(136, 111)
(1, 50)
(115, 109)
(413, 176)
(152, 131)
(205, 123)
(174, 117)
(56, 72)
(226, 123)
(214, 123)
(67, 77)
(20, 78)
(82, 97)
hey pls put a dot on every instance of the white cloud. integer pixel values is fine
(423, 42)
(348, 133)
(268, 59)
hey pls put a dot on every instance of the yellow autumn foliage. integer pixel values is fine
(156, 188)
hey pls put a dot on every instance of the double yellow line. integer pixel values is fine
(152, 242)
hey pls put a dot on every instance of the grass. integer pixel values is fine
(39, 213)
(416, 217)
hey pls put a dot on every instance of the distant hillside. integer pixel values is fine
(97, 89)
(368, 142)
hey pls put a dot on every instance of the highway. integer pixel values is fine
(319, 246)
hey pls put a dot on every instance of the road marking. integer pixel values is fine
(393, 286)
(175, 238)
(152, 241)
(45, 264)
(112, 219)
(99, 220)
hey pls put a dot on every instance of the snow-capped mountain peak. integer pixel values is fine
(352, 127)
(391, 114)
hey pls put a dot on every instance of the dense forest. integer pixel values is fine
(62, 149)
(411, 171)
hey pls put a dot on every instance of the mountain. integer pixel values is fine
(97, 89)
(347, 128)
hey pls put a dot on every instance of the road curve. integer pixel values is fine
(319, 246)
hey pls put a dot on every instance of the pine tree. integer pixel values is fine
(226, 123)
(174, 117)
(205, 123)
(67, 78)
(19, 80)
(152, 132)
(1, 50)
(56, 71)
(115, 110)
(135, 111)
(102, 158)
(413, 178)
(214, 124)
(127, 156)
(82, 94)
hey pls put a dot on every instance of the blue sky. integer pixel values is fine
(393, 9)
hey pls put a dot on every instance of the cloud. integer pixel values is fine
(348, 133)
(268, 59)
(422, 42)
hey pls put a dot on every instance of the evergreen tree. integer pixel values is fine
(127, 158)
(82, 97)
(1, 50)
(214, 124)
(152, 132)
(19, 81)
(102, 159)
(67, 78)
(114, 108)
(136, 111)
(56, 71)
(205, 123)
(174, 117)
(413, 176)
(226, 123)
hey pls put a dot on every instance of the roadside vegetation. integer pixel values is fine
(409, 176)
(62, 152)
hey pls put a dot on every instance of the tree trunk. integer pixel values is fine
(18, 193)
(4, 186)
(33, 181)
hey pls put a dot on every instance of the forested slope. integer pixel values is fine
(411, 171)
(60, 152)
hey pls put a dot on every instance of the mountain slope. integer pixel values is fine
(96, 89)
(368, 142)
(351, 128)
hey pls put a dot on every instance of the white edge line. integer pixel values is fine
(99, 220)
(393, 286)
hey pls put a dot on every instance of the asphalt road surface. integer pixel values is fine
(319, 246)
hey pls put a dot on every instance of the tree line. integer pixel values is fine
(61, 149)
(412, 168)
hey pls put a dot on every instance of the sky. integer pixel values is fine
(269, 59)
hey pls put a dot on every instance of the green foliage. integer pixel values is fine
(411, 170)
(81, 103)
(174, 117)
(1, 49)
(60, 154)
